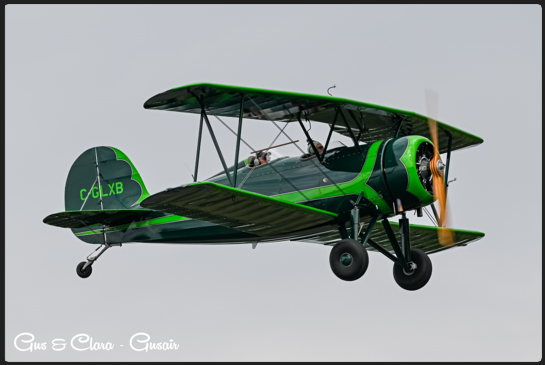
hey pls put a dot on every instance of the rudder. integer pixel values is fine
(121, 186)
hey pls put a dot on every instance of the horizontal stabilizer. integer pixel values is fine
(85, 218)
(238, 209)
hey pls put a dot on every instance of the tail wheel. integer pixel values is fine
(84, 273)
(349, 260)
(419, 276)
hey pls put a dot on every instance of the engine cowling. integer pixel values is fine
(407, 170)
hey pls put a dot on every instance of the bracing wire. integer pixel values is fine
(430, 216)
(270, 165)
(299, 148)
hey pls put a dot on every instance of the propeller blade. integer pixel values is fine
(446, 236)
(432, 105)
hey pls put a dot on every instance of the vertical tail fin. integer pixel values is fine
(119, 184)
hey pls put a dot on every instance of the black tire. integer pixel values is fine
(419, 277)
(357, 256)
(84, 273)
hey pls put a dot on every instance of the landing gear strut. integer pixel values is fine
(412, 267)
(84, 268)
(349, 259)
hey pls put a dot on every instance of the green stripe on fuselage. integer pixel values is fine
(355, 186)
(150, 222)
(368, 168)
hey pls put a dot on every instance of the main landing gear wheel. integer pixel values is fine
(419, 276)
(84, 273)
(349, 259)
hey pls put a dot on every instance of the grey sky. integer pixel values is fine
(77, 77)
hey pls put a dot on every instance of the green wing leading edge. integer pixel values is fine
(333, 194)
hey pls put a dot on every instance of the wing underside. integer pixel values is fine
(238, 209)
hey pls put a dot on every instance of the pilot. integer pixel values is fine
(318, 147)
(264, 157)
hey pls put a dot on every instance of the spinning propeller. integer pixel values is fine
(437, 168)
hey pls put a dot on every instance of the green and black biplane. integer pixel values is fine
(331, 194)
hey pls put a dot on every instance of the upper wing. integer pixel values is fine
(238, 209)
(373, 121)
(422, 237)
(85, 218)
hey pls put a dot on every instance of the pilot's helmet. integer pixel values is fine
(316, 146)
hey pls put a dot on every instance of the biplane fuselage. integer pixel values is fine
(332, 186)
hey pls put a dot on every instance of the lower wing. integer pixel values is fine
(238, 209)
(422, 237)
